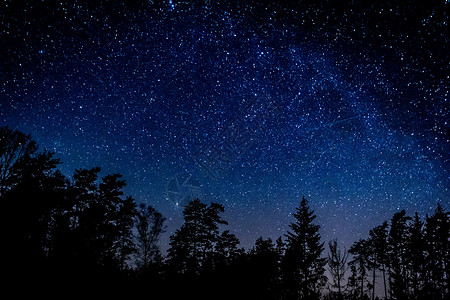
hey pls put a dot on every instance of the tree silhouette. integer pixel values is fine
(86, 216)
(99, 221)
(150, 226)
(416, 256)
(352, 286)
(183, 254)
(280, 248)
(378, 245)
(192, 246)
(114, 223)
(303, 267)
(32, 191)
(210, 235)
(437, 240)
(263, 261)
(337, 263)
(359, 250)
(15, 147)
(226, 249)
(198, 252)
(398, 242)
(226, 268)
(125, 223)
(80, 233)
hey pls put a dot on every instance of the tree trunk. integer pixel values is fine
(390, 281)
(373, 283)
(384, 280)
(339, 286)
(362, 287)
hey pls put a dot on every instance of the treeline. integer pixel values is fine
(84, 234)
(407, 258)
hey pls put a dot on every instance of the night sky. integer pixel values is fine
(248, 105)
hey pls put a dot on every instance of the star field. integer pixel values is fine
(347, 105)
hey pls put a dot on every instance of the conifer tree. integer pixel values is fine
(279, 248)
(416, 256)
(226, 249)
(210, 235)
(192, 247)
(303, 266)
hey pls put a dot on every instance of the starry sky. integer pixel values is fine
(239, 103)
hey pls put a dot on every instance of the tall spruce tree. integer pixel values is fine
(303, 265)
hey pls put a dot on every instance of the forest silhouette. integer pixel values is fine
(81, 236)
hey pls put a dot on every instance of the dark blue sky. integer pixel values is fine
(246, 105)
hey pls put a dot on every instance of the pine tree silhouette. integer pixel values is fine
(303, 267)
